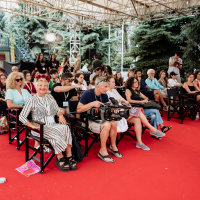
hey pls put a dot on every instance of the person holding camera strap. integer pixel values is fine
(95, 98)
(175, 65)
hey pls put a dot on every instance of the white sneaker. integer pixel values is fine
(143, 146)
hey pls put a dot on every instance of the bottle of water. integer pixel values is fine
(197, 116)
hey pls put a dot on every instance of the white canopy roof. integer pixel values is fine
(101, 13)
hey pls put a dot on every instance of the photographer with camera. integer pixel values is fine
(175, 65)
(64, 91)
(95, 98)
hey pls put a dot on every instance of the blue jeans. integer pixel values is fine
(154, 115)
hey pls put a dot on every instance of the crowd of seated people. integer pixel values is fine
(46, 97)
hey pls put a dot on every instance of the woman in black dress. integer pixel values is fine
(66, 65)
(189, 85)
(53, 63)
(40, 64)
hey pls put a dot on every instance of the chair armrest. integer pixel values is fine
(136, 105)
(15, 109)
(37, 122)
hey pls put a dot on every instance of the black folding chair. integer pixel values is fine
(42, 142)
(181, 105)
(82, 133)
(15, 126)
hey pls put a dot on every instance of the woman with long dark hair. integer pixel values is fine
(119, 84)
(40, 64)
(66, 65)
(133, 95)
(53, 63)
(197, 80)
(107, 71)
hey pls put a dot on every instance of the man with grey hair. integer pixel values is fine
(95, 98)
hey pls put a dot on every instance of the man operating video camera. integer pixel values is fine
(95, 98)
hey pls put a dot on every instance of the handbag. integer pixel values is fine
(151, 105)
(122, 125)
(76, 149)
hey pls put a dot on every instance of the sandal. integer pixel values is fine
(63, 166)
(157, 138)
(164, 127)
(103, 158)
(115, 153)
(71, 162)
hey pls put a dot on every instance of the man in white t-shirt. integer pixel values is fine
(175, 65)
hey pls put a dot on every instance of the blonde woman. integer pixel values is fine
(16, 96)
(43, 108)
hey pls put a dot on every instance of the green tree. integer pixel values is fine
(2, 21)
(191, 51)
(154, 42)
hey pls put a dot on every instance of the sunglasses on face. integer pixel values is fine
(19, 79)
(70, 79)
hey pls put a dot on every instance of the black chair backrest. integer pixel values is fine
(182, 90)
(172, 92)
(73, 106)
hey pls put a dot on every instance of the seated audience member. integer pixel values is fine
(66, 65)
(33, 75)
(107, 71)
(16, 96)
(95, 98)
(146, 90)
(53, 63)
(28, 84)
(163, 79)
(173, 81)
(197, 80)
(2, 71)
(131, 73)
(85, 68)
(40, 64)
(78, 71)
(152, 82)
(3, 104)
(189, 85)
(64, 91)
(58, 135)
(78, 80)
(119, 84)
(136, 115)
(92, 85)
(97, 72)
(135, 96)
(15, 69)
(54, 78)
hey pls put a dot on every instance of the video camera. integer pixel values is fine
(105, 112)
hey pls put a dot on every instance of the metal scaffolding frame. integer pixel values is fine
(75, 45)
(101, 13)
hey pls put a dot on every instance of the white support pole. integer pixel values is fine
(109, 46)
(122, 47)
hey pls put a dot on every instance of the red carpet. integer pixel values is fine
(170, 170)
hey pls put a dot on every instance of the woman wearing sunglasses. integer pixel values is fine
(16, 96)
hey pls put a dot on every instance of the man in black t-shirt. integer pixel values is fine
(64, 91)
(95, 98)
